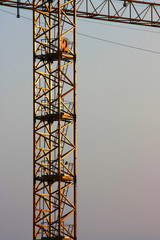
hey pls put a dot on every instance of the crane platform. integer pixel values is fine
(54, 178)
(50, 57)
(56, 238)
(55, 117)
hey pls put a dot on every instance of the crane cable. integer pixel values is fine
(117, 43)
(101, 39)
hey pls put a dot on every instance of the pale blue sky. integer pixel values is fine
(118, 132)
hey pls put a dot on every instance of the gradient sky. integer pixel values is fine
(118, 131)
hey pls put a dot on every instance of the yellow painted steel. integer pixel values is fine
(55, 120)
(55, 103)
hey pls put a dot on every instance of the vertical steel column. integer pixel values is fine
(34, 122)
(50, 112)
(55, 141)
(75, 122)
(59, 116)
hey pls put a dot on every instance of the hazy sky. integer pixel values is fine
(118, 131)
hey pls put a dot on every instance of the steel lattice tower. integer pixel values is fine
(54, 37)
(54, 101)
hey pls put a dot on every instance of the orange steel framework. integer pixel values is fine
(54, 101)
(54, 58)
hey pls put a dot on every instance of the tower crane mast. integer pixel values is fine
(55, 102)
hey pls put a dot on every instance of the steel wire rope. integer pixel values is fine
(118, 43)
